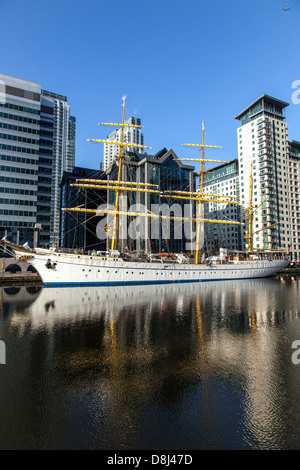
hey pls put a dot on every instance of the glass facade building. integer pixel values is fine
(63, 155)
(168, 173)
(79, 230)
(37, 143)
(20, 109)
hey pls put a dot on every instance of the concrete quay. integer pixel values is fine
(20, 278)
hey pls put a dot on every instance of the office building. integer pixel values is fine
(79, 230)
(37, 143)
(20, 108)
(168, 173)
(132, 135)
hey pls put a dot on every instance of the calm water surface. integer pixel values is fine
(199, 366)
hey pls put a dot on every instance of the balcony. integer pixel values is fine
(268, 185)
(266, 146)
(264, 125)
(269, 213)
(269, 193)
(267, 174)
(267, 159)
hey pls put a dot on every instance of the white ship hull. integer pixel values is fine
(59, 269)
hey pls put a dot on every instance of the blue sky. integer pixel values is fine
(178, 62)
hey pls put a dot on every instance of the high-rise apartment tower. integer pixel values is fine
(132, 135)
(264, 150)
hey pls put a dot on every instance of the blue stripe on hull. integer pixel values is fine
(141, 283)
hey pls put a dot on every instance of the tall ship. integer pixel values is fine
(117, 266)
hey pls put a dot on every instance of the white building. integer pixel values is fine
(222, 180)
(263, 149)
(274, 162)
(293, 172)
(132, 135)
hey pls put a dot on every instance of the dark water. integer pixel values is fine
(200, 366)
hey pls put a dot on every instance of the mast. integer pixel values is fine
(121, 185)
(200, 205)
(121, 156)
(116, 206)
(200, 197)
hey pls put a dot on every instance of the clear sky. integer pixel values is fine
(177, 61)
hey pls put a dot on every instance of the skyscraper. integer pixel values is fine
(131, 135)
(63, 154)
(20, 107)
(266, 154)
(37, 144)
(44, 195)
(263, 149)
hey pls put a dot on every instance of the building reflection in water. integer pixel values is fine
(208, 359)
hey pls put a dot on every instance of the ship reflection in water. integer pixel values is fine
(200, 366)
